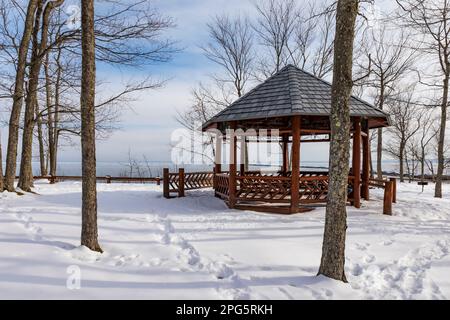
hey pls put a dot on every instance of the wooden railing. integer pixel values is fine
(263, 188)
(313, 188)
(273, 188)
(390, 192)
(222, 184)
(180, 182)
(106, 179)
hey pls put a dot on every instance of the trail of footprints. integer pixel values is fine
(404, 278)
(230, 284)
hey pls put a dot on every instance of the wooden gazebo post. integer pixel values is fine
(218, 153)
(366, 161)
(356, 162)
(243, 146)
(233, 158)
(295, 183)
(285, 151)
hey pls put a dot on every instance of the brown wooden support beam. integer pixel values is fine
(295, 180)
(166, 193)
(366, 163)
(233, 158)
(356, 163)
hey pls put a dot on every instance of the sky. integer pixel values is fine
(146, 127)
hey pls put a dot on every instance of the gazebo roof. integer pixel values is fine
(290, 92)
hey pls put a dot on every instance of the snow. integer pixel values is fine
(196, 248)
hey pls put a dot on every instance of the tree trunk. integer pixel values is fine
(42, 159)
(50, 112)
(379, 153)
(26, 170)
(333, 248)
(380, 134)
(13, 132)
(54, 131)
(89, 232)
(441, 142)
(401, 161)
(1, 166)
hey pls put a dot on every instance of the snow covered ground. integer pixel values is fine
(196, 248)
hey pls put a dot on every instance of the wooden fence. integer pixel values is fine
(181, 181)
(390, 192)
(254, 186)
(106, 179)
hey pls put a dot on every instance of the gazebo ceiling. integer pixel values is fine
(290, 92)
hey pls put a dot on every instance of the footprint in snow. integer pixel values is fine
(387, 242)
(369, 258)
(361, 246)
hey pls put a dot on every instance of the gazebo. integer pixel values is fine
(297, 105)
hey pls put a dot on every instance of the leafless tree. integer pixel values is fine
(275, 27)
(421, 143)
(39, 45)
(312, 44)
(391, 59)
(89, 231)
(231, 47)
(127, 34)
(333, 248)
(18, 95)
(431, 19)
(406, 122)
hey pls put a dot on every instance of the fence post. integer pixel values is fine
(166, 183)
(214, 179)
(108, 179)
(394, 189)
(181, 182)
(387, 203)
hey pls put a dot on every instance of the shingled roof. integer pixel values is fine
(289, 92)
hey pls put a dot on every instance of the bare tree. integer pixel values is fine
(89, 231)
(14, 121)
(333, 248)
(422, 142)
(406, 122)
(431, 18)
(312, 44)
(38, 48)
(275, 27)
(231, 47)
(391, 58)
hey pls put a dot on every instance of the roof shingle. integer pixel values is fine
(291, 91)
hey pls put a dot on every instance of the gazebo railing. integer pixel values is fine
(222, 185)
(313, 188)
(263, 188)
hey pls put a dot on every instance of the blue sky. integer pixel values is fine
(146, 129)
